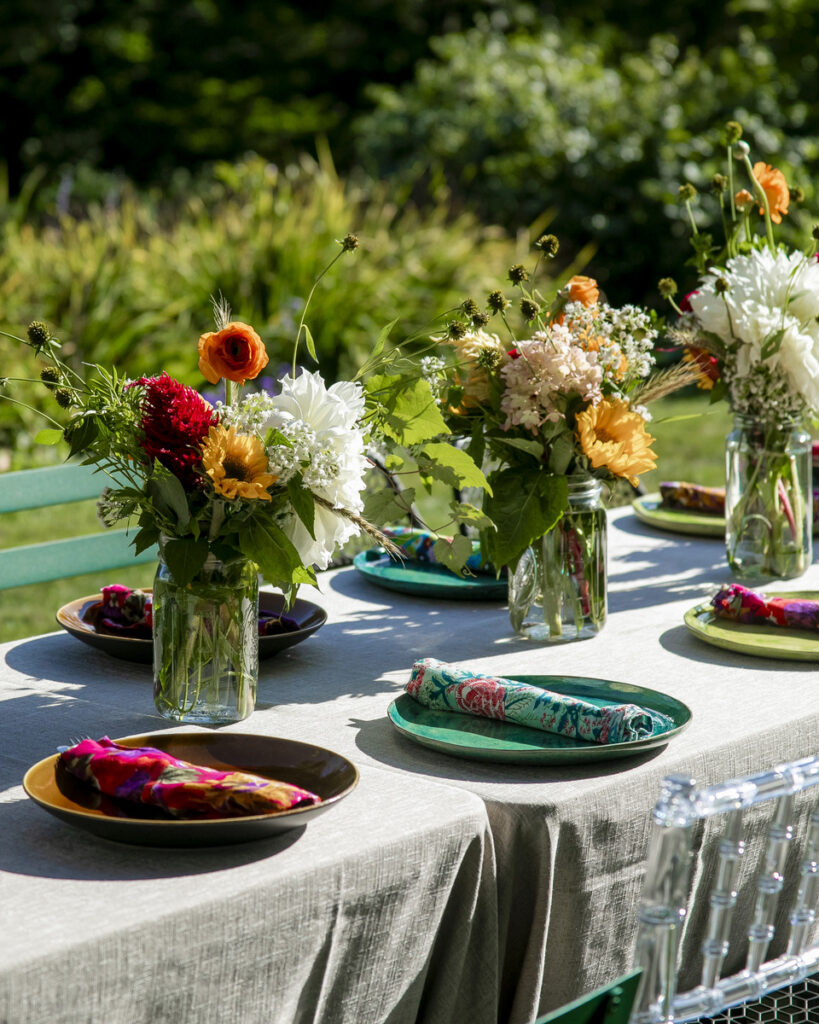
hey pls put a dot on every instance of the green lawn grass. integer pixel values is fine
(689, 434)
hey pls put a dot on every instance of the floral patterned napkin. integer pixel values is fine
(150, 776)
(751, 608)
(442, 687)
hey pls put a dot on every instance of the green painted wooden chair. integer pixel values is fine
(609, 1005)
(56, 559)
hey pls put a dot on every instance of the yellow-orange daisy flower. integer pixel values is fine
(613, 437)
(237, 464)
(775, 188)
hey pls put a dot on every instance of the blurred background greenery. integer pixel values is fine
(159, 151)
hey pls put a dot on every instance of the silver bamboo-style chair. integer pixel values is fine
(765, 990)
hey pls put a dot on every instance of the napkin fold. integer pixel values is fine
(739, 604)
(442, 687)
(695, 497)
(418, 546)
(150, 776)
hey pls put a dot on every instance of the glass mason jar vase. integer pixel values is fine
(768, 499)
(557, 592)
(206, 642)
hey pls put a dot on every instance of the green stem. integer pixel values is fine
(25, 405)
(691, 217)
(763, 200)
(306, 305)
(731, 182)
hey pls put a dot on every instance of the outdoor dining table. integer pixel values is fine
(442, 889)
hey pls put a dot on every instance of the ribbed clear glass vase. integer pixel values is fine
(206, 643)
(557, 592)
(768, 499)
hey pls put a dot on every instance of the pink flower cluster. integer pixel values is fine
(551, 365)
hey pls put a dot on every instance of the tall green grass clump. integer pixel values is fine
(129, 283)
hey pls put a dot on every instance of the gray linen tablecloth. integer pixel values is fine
(569, 843)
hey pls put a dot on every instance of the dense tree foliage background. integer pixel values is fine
(585, 116)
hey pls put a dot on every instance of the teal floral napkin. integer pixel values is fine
(442, 687)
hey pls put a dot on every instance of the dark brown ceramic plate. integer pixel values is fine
(77, 618)
(323, 772)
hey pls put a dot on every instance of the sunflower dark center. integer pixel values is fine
(235, 469)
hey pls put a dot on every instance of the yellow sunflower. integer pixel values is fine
(615, 438)
(237, 464)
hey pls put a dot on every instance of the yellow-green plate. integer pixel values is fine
(649, 509)
(760, 641)
(485, 739)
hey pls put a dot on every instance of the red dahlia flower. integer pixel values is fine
(175, 421)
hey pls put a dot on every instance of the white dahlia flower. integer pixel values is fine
(766, 294)
(323, 425)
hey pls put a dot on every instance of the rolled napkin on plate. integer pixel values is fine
(418, 545)
(442, 687)
(693, 497)
(154, 777)
(739, 604)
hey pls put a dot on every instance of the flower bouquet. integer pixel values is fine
(265, 483)
(751, 328)
(555, 408)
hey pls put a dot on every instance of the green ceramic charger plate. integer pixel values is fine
(423, 580)
(650, 509)
(761, 641)
(484, 739)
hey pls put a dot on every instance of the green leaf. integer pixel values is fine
(385, 506)
(406, 408)
(561, 454)
(463, 512)
(80, 433)
(184, 557)
(168, 494)
(453, 553)
(311, 345)
(477, 447)
(466, 473)
(302, 500)
(268, 546)
(393, 462)
(524, 507)
(144, 538)
(772, 343)
(534, 448)
(381, 340)
(48, 436)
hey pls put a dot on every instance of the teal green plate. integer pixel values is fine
(428, 580)
(761, 641)
(484, 739)
(650, 510)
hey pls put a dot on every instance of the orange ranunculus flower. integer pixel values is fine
(583, 289)
(743, 199)
(236, 353)
(776, 189)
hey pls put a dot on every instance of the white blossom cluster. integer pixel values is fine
(249, 415)
(765, 301)
(433, 372)
(623, 337)
(318, 464)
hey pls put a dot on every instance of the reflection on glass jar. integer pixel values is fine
(768, 499)
(557, 592)
(206, 643)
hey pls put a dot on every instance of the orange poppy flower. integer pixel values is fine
(236, 353)
(583, 289)
(775, 188)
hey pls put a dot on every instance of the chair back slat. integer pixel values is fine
(53, 485)
(769, 882)
(803, 914)
(723, 900)
(53, 560)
